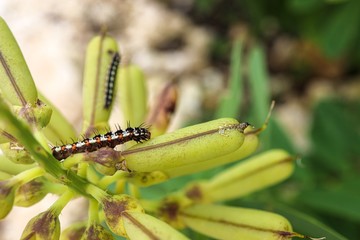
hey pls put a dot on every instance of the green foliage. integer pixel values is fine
(326, 183)
(308, 224)
(332, 25)
(327, 179)
(332, 192)
(89, 167)
(231, 102)
(335, 134)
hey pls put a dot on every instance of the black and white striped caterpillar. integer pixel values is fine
(110, 80)
(109, 139)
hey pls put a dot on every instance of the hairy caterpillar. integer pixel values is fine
(110, 80)
(109, 139)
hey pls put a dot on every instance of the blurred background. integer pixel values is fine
(228, 58)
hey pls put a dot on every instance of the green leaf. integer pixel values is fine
(336, 135)
(307, 225)
(339, 34)
(304, 6)
(231, 103)
(259, 85)
(341, 202)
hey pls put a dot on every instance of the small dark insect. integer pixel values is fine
(110, 80)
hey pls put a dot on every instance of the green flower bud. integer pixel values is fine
(114, 206)
(222, 222)
(4, 175)
(16, 153)
(258, 172)
(186, 146)
(7, 195)
(12, 168)
(44, 226)
(100, 55)
(39, 114)
(30, 193)
(105, 160)
(146, 227)
(146, 179)
(132, 94)
(17, 85)
(249, 146)
(168, 210)
(96, 231)
(74, 231)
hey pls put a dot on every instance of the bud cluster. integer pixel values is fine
(110, 179)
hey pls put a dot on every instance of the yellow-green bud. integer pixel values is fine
(146, 227)
(105, 160)
(7, 195)
(44, 226)
(114, 206)
(132, 94)
(74, 231)
(99, 56)
(186, 146)
(30, 193)
(258, 172)
(16, 153)
(4, 175)
(17, 85)
(146, 179)
(223, 222)
(170, 207)
(249, 146)
(96, 231)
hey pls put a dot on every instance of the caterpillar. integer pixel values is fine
(109, 139)
(110, 80)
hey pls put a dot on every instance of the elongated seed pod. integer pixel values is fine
(253, 174)
(249, 146)
(17, 85)
(142, 226)
(258, 172)
(132, 94)
(101, 60)
(222, 222)
(187, 146)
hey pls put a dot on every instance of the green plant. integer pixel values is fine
(102, 176)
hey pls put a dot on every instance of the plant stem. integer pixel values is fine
(28, 175)
(93, 211)
(107, 180)
(62, 201)
(96, 192)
